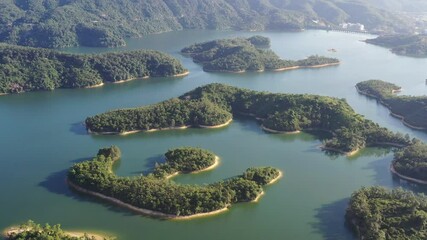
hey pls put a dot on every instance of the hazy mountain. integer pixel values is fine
(60, 23)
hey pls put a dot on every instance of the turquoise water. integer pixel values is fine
(42, 136)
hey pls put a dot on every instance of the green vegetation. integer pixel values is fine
(238, 55)
(25, 69)
(412, 161)
(63, 23)
(34, 231)
(215, 104)
(408, 45)
(376, 213)
(185, 160)
(412, 110)
(155, 192)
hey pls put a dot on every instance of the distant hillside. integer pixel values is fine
(409, 45)
(401, 5)
(62, 23)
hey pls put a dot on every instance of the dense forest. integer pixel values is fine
(412, 110)
(155, 192)
(184, 160)
(239, 55)
(408, 45)
(412, 161)
(215, 104)
(25, 69)
(63, 23)
(33, 231)
(376, 213)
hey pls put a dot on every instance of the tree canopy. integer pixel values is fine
(250, 54)
(215, 104)
(64, 23)
(33, 231)
(155, 192)
(25, 69)
(408, 45)
(412, 161)
(411, 109)
(376, 213)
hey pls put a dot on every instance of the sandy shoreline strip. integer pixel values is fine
(258, 197)
(217, 126)
(159, 129)
(143, 211)
(136, 131)
(95, 86)
(276, 179)
(277, 69)
(213, 166)
(348, 154)
(414, 180)
(276, 131)
(302, 67)
(181, 74)
(16, 229)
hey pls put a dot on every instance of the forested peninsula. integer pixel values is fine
(60, 23)
(24, 69)
(215, 104)
(156, 196)
(239, 55)
(407, 45)
(410, 163)
(410, 109)
(33, 231)
(376, 213)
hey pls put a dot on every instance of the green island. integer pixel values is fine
(65, 23)
(24, 69)
(31, 231)
(240, 55)
(407, 45)
(215, 104)
(412, 110)
(410, 163)
(376, 213)
(155, 195)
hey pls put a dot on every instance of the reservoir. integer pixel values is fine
(42, 135)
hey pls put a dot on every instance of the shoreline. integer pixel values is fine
(348, 154)
(216, 126)
(302, 67)
(137, 131)
(276, 69)
(276, 131)
(211, 167)
(181, 74)
(16, 229)
(143, 211)
(160, 129)
(390, 144)
(95, 86)
(410, 179)
(276, 178)
(256, 200)
(400, 117)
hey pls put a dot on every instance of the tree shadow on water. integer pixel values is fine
(150, 164)
(57, 183)
(78, 128)
(331, 221)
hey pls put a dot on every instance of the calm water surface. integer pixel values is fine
(42, 136)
